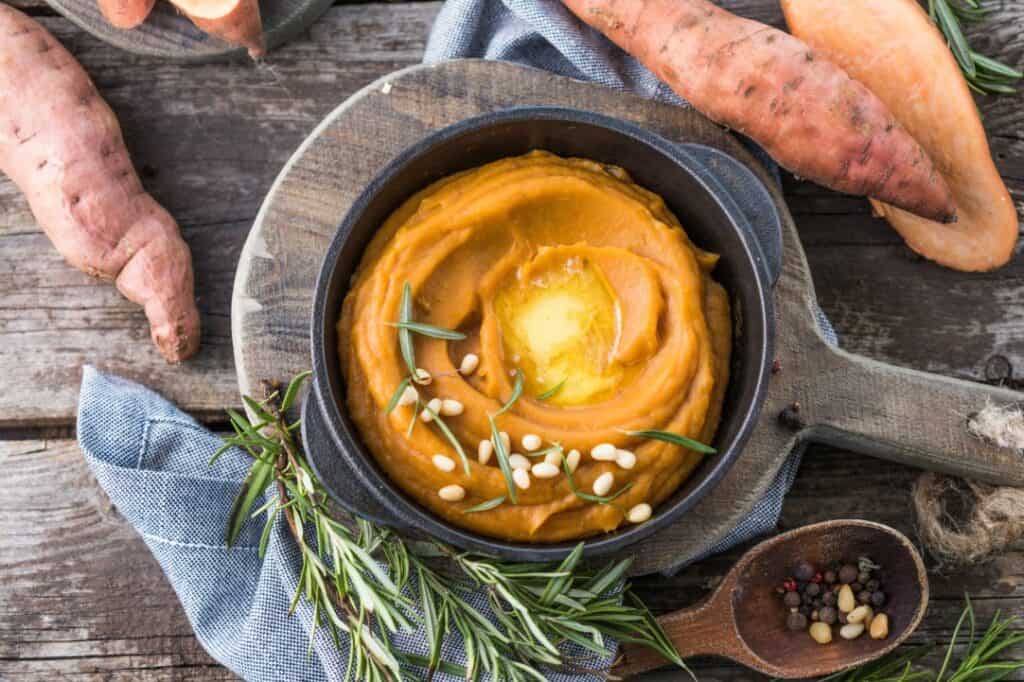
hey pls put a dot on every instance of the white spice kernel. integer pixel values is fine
(531, 442)
(545, 470)
(603, 483)
(554, 457)
(470, 361)
(625, 459)
(605, 452)
(573, 460)
(443, 462)
(422, 376)
(517, 461)
(409, 396)
(851, 630)
(639, 513)
(451, 407)
(521, 478)
(452, 493)
(484, 451)
(433, 406)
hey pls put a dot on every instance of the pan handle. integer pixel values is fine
(906, 416)
(334, 470)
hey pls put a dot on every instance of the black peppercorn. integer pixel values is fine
(828, 615)
(829, 599)
(863, 597)
(878, 598)
(831, 577)
(863, 577)
(804, 571)
(796, 621)
(847, 574)
(807, 599)
(806, 610)
(792, 600)
(813, 589)
(817, 603)
(872, 585)
(856, 587)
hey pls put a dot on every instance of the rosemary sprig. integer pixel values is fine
(500, 451)
(551, 392)
(450, 436)
(533, 609)
(485, 506)
(674, 438)
(433, 331)
(404, 335)
(984, 75)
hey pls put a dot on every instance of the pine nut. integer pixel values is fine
(603, 483)
(573, 460)
(554, 457)
(484, 451)
(851, 630)
(444, 463)
(422, 377)
(846, 601)
(517, 461)
(545, 470)
(605, 452)
(821, 633)
(470, 361)
(531, 442)
(451, 408)
(858, 615)
(625, 459)
(452, 493)
(433, 406)
(409, 396)
(639, 513)
(521, 478)
(880, 626)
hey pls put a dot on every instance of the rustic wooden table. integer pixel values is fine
(81, 597)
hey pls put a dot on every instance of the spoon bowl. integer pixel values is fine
(744, 618)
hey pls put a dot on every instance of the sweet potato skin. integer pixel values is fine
(241, 26)
(61, 145)
(126, 14)
(805, 111)
(909, 67)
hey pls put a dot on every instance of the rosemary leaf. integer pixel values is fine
(293, 390)
(451, 438)
(256, 481)
(430, 330)
(674, 438)
(502, 455)
(397, 395)
(485, 506)
(404, 335)
(551, 392)
(587, 496)
(517, 390)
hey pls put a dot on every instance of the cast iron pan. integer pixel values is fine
(723, 207)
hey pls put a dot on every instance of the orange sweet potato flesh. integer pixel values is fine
(234, 21)
(126, 13)
(804, 110)
(893, 47)
(61, 145)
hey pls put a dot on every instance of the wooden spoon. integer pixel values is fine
(744, 618)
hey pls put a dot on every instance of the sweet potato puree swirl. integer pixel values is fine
(566, 271)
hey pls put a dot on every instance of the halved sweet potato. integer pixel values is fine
(235, 21)
(126, 13)
(892, 47)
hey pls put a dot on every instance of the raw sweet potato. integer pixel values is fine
(892, 47)
(61, 145)
(234, 21)
(126, 13)
(804, 110)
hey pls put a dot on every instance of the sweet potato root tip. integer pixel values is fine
(804, 110)
(126, 14)
(893, 47)
(67, 156)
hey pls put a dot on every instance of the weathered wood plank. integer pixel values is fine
(81, 596)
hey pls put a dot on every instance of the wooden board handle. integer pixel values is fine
(906, 416)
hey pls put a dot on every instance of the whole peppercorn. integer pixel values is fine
(878, 598)
(863, 597)
(856, 587)
(817, 603)
(872, 585)
(792, 600)
(796, 621)
(807, 599)
(848, 574)
(804, 571)
(806, 610)
(828, 615)
(813, 589)
(831, 577)
(863, 577)
(829, 599)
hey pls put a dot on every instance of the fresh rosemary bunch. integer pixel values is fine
(984, 75)
(370, 583)
(976, 664)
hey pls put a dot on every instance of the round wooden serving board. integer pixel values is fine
(169, 34)
(848, 400)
